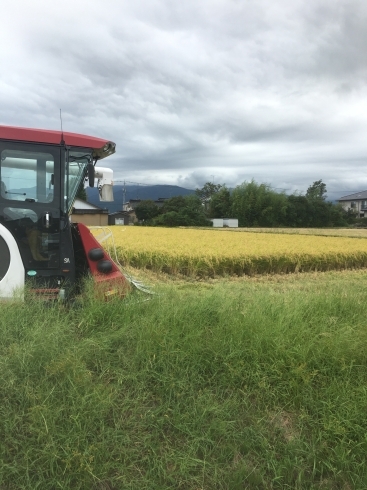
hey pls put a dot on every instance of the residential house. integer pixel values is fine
(88, 214)
(120, 218)
(355, 202)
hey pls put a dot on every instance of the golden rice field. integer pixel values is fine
(209, 253)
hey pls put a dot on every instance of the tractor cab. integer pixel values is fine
(41, 172)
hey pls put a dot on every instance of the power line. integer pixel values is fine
(138, 183)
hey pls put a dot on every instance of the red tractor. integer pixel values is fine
(40, 173)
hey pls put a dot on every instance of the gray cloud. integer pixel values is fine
(233, 89)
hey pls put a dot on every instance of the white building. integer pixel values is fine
(356, 202)
(225, 223)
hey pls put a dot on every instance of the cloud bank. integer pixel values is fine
(222, 90)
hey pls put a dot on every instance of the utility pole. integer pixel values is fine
(123, 196)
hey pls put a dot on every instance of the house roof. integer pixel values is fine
(81, 204)
(84, 207)
(354, 197)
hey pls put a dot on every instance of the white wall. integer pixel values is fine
(220, 222)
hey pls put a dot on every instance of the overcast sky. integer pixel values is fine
(197, 91)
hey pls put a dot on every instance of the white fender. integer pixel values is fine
(13, 281)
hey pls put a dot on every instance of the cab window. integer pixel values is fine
(27, 176)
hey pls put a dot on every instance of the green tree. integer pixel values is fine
(338, 215)
(175, 203)
(220, 204)
(182, 211)
(312, 210)
(207, 191)
(319, 209)
(299, 211)
(258, 205)
(146, 210)
(206, 194)
(316, 191)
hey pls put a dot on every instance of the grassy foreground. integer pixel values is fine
(242, 384)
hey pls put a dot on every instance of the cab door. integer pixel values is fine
(30, 203)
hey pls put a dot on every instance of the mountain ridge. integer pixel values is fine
(143, 192)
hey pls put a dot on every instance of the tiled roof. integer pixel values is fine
(81, 204)
(354, 197)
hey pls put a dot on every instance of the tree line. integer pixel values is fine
(253, 204)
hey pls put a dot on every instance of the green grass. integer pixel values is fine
(228, 384)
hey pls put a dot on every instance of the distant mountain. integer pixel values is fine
(153, 192)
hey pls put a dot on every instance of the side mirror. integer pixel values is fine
(91, 174)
